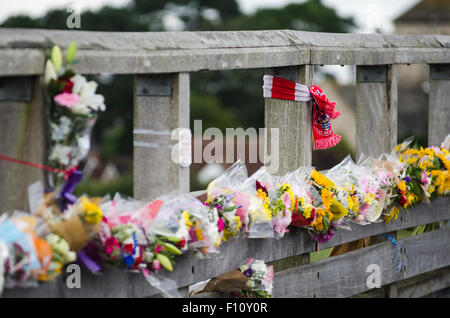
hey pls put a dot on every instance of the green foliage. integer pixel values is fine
(221, 99)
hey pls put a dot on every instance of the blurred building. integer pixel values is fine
(426, 17)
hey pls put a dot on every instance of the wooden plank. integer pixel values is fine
(346, 275)
(155, 117)
(425, 284)
(376, 112)
(190, 269)
(167, 52)
(438, 100)
(23, 137)
(292, 120)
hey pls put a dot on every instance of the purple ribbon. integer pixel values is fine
(65, 196)
(88, 262)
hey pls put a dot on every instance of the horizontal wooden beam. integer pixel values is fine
(347, 274)
(167, 52)
(233, 253)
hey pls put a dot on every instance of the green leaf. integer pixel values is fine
(71, 52)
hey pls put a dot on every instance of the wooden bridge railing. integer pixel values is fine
(161, 63)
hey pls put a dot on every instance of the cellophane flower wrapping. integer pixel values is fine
(260, 217)
(303, 213)
(348, 194)
(72, 112)
(185, 217)
(281, 200)
(229, 202)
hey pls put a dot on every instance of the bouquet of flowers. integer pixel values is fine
(328, 209)
(253, 279)
(225, 199)
(73, 108)
(26, 258)
(280, 199)
(260, 279)
(303, 212)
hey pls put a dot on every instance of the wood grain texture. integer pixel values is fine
(155, 173)
(165, 52)
(376, 114)
(23, 137)
(293, 122)
(190, 269)
(346, 275)
(439, 110)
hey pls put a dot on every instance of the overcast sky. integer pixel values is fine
(369, 14)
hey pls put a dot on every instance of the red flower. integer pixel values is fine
(402, 200)
(260, 186)
(181, 243)
(68, 86)
(299, 220)
(159, 249)
(128, 249)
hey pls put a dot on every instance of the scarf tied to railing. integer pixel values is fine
(323, 108)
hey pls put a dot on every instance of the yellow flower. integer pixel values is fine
(402, 185)
(187, 218)
(321, 180)
(353, 203)
(92, 213)
(326, 198)
(439, 182)
(338, 210)
(392, 215)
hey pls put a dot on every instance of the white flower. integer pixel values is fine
(59, 132)
(61, 154)
(50, 73)
(88, 99)
(259, 267)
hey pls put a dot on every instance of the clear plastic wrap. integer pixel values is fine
(225, 199)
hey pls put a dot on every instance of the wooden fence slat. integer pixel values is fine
(346, 275)
(439, 109)
(376, 110)
(155, 117)
(23, 137)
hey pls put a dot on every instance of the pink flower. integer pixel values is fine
(220, 225)
(66, 99)
(111, 244)
(159, 249)
(286, 201)
(156, 265)
(423, 176)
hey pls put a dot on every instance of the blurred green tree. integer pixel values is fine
(221, 99)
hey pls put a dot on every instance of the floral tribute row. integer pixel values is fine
(149, 236)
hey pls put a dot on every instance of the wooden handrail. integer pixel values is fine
(167, 52)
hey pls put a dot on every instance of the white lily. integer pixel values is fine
(88, 99)
(50, 73)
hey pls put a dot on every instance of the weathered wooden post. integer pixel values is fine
(439, 109)
(293, 121)
(22, 137)
(376, 109)
(161, 104)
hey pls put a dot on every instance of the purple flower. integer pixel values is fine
(248, 272)
(407, 179)
(323, 238)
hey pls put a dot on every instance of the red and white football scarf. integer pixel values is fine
(323, 109)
